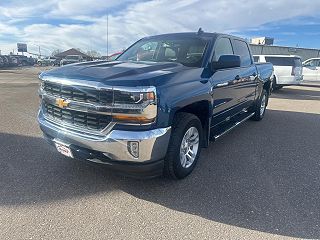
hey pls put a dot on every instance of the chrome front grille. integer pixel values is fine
(95, 108)
(79, 93)
(90, 121)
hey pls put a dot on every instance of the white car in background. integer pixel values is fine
(311, 69)
(287, 69)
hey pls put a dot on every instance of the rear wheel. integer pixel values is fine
(184, 146)
(275, 86)
(260, 106)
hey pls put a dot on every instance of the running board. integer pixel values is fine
(233, 126)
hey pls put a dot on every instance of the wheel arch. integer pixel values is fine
(202, 109)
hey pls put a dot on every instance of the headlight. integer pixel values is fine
(135, 105)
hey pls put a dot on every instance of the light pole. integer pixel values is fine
(107, 35)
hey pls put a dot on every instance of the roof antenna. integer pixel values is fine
(200, 31)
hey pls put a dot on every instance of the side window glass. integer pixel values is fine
(241, 48)
(222, 47)
(310, 63)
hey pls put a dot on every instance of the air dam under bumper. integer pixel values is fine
(153, 144)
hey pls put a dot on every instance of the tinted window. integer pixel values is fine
(241, 49)
(222, 47)
(284, 61)
(256, 59)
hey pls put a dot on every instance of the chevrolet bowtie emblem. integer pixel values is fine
(62, 103)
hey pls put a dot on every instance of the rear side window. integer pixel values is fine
(312, 63)
(222, 47)
(284, 61)
(241, 48)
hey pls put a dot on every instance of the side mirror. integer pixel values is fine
(227, 61)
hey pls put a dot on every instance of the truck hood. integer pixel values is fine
(115, 73)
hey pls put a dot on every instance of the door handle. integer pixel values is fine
(237, 77)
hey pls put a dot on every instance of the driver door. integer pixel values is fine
(225, 91)
(311, 70)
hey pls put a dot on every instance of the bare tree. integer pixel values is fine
(93, 54)
(55, 52)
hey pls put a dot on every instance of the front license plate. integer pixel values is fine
(64, 149)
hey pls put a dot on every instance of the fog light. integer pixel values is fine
(133, 148)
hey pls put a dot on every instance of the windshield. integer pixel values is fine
(72, 57)
(187, 51)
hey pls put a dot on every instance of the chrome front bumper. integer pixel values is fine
(153, 144)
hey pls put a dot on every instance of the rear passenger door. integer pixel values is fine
(246, 79)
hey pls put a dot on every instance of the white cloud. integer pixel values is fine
(72, 8)
(22, 9)
(130, 20)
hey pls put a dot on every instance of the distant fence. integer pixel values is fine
(304, 53)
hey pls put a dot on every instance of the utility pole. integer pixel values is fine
(107, 35)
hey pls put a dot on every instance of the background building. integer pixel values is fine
(73, 51)
(264, 46)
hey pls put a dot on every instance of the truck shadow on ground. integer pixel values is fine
(262, 176)
(298, 93)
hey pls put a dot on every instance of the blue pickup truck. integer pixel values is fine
(152, 110)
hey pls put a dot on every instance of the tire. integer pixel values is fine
(260, 106)
(275, 86)
(186, 126)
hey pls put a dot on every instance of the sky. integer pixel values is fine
(63, 24)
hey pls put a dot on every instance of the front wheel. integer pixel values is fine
(260, 106)
(184, 146)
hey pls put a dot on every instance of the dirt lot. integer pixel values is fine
(260, 181)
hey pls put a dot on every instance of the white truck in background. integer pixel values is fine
(287, 69)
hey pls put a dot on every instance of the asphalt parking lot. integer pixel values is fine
(260, 181)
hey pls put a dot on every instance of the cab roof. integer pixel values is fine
(207, 35)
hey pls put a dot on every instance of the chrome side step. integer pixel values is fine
(233, 126)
